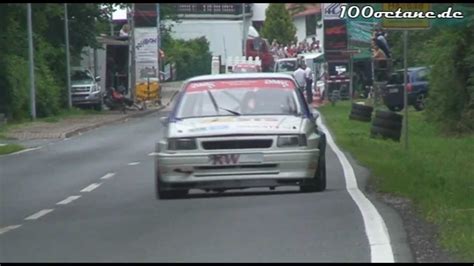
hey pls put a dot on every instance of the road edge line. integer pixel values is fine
(375, 228)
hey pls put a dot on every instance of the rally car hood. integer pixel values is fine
(235, 125)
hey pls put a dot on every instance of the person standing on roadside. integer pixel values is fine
(309, 84)
(299, 76)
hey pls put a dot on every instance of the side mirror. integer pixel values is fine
(164, 120)
(97, 78)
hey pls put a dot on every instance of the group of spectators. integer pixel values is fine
(292, 50)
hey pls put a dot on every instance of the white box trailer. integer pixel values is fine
(96, 60)
(225, 36)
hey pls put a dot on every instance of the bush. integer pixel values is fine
(192, 57)
(14, 87)
(451, 99)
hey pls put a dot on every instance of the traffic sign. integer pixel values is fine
(408, 23)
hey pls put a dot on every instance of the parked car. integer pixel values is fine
(246, 68)
(417, 88)
(85, 89)
(286, 65)
(239, 131)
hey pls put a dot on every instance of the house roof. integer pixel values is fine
(306, 8)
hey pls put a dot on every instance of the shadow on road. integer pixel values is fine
(202, 194)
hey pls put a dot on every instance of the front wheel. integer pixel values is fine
(167, 194)
(318, 184)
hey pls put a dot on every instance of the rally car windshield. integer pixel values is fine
(207, 101)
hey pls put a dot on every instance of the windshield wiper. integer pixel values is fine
(217, 107)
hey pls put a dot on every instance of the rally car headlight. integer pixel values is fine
(182, 144)
(291, 140)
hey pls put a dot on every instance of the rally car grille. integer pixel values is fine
(237, 144)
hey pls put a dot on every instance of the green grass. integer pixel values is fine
(437, 172)
(73, 112)
(9, 148)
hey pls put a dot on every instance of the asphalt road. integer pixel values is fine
(105, 182)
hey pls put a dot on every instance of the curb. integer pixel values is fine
(135, 115)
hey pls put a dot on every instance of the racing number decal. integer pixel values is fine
(224, 159)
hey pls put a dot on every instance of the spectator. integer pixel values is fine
(281, 52)
(315, 44)
(300, 48)
(378, 54)
(299, 75)
(381, 42)
(309, 84)
(125, 30)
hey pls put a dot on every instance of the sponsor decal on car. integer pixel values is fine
(241, 83)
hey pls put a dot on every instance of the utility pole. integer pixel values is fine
(405, 83)
(133, 72)
(244, 37)
(158, 43)
(31, 64)
(158, 40)
(129, 52)
(68, 60)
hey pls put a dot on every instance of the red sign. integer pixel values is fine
(241, 84)
(335, 34)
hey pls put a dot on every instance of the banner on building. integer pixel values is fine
(332, 10)
(146, 54)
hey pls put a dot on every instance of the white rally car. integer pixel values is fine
(240, 131)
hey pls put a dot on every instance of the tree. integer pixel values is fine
(49, 52)
(448, 47)
(278, 24)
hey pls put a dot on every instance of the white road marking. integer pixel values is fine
(3, 144)
(39, 214)
(91, 187)
(134, 163)
(375, 228)
(9, 228)
(107, 176)
(25, 150)
(68, 200)
(153, 154)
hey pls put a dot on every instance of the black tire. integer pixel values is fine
(359, 118)
(363, 108)
(169, 194)
(420, 102)
(319, 183)
(388, 124)
(395, 108)
(388, 116)
(166, 194)
(361, 113)
(385, 133)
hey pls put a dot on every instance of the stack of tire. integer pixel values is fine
(387, 124)
(361, 112)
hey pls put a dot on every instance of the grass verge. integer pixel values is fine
(10, 148)
(437, 172)
(73, 112)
